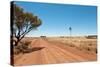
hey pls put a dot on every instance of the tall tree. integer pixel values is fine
(22, 23)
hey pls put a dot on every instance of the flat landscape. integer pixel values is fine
(48, 33)
(52, 50)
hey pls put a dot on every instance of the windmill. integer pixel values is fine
(70, 30)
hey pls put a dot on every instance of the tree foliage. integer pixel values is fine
(23, 23)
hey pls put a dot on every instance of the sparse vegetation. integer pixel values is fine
(54, 47)
(81, 43)
(22, 47)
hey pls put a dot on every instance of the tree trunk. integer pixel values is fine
(18, 40)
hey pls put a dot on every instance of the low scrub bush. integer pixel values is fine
(22, 47)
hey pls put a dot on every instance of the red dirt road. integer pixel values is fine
(52, 53)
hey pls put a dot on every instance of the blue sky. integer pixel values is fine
(57, 18)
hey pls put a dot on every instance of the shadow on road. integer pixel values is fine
(33, 49)
(37, 48)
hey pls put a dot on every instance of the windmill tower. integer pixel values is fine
(70, 30)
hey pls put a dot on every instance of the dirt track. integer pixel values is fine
(51, 53)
